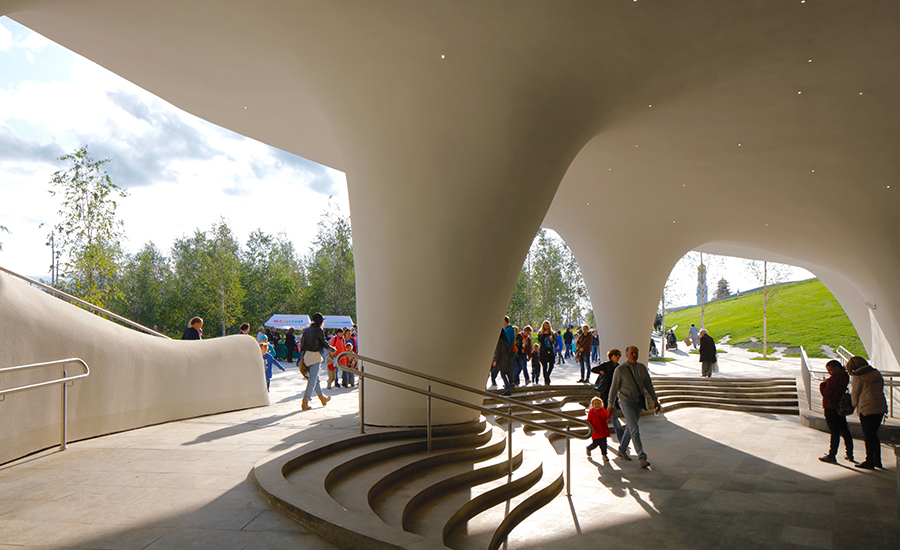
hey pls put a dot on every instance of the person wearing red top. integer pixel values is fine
(598, 417)
(337, 342)
(833, 389)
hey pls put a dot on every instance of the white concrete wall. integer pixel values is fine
(136, 379)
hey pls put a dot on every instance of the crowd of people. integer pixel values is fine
(622, 386)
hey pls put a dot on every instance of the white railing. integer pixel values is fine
(891, 379)
(65, 382)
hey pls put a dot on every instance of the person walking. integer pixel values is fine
(833, 389)
(629, 382)
(548, 350)
(503, 360)
(595, 346)
(559, 347)
(694, 333)
(567, 338)
(868, 398)
(604, 372)
(347, 378)
(312, 347)
(269, 362)
(523, 353)
(290, 342)
(708, 360)
(598, 417)
(583, 344)
(337, 342)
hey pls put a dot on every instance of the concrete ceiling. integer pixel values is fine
(638, 130)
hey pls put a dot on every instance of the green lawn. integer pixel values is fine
(801, 314)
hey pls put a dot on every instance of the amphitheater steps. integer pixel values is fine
(384, 490)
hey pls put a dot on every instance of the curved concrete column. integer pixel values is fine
(136, 380)
(766, 123)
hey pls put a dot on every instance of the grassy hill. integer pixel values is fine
(801, 314)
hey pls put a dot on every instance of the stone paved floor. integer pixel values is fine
(719, 480)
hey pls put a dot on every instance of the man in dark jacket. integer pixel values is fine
(503, 361)
(707, 353)
(568, 337)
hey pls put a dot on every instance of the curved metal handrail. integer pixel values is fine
(567, 433)
(92, 307)
(64, 381)
(485, 410)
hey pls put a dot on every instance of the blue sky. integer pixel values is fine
(181, 172)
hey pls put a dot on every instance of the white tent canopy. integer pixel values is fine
(299, 322)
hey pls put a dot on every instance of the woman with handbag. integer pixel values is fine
(833, 389)
(312, 349)
(868, 398)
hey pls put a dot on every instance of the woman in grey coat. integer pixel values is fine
(868, 398)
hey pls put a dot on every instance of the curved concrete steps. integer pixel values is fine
(383, 490)
(754, 395)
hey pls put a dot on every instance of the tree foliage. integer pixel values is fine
(329, 267)
(549, 286)
(89, 232)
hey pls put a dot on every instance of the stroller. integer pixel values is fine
(654, 352)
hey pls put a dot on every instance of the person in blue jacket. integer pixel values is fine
(268, 361)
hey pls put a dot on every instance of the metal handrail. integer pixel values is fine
(65, 381)
(92, 307)
(567, 433)
(843, 354)
(808, 374)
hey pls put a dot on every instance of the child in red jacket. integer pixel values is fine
(598, 417)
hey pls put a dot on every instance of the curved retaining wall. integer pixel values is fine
(136, 379)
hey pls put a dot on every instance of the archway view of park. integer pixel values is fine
(415, 171)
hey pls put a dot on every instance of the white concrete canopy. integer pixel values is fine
(637, 130)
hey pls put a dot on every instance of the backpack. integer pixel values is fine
(845, 408)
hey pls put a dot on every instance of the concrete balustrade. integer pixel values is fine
(136, 380)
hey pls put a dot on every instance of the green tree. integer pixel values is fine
(329, 267)
(206, 278)
(222, 276)
(89, 233)
(770, 276)
(272, 277)
(3, 229)
(145, 282)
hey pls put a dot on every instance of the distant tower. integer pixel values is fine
(702, 291)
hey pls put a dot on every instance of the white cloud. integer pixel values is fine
(6, 38)
(34, 42)
(183, 173)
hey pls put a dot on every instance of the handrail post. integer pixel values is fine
(362, 398)
(568, 462)
(509, 452)
(429, 417)
(62, 436)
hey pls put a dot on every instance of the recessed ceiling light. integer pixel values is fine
(798, 93)
(442, 56)
(739, 144)
(813, 170)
